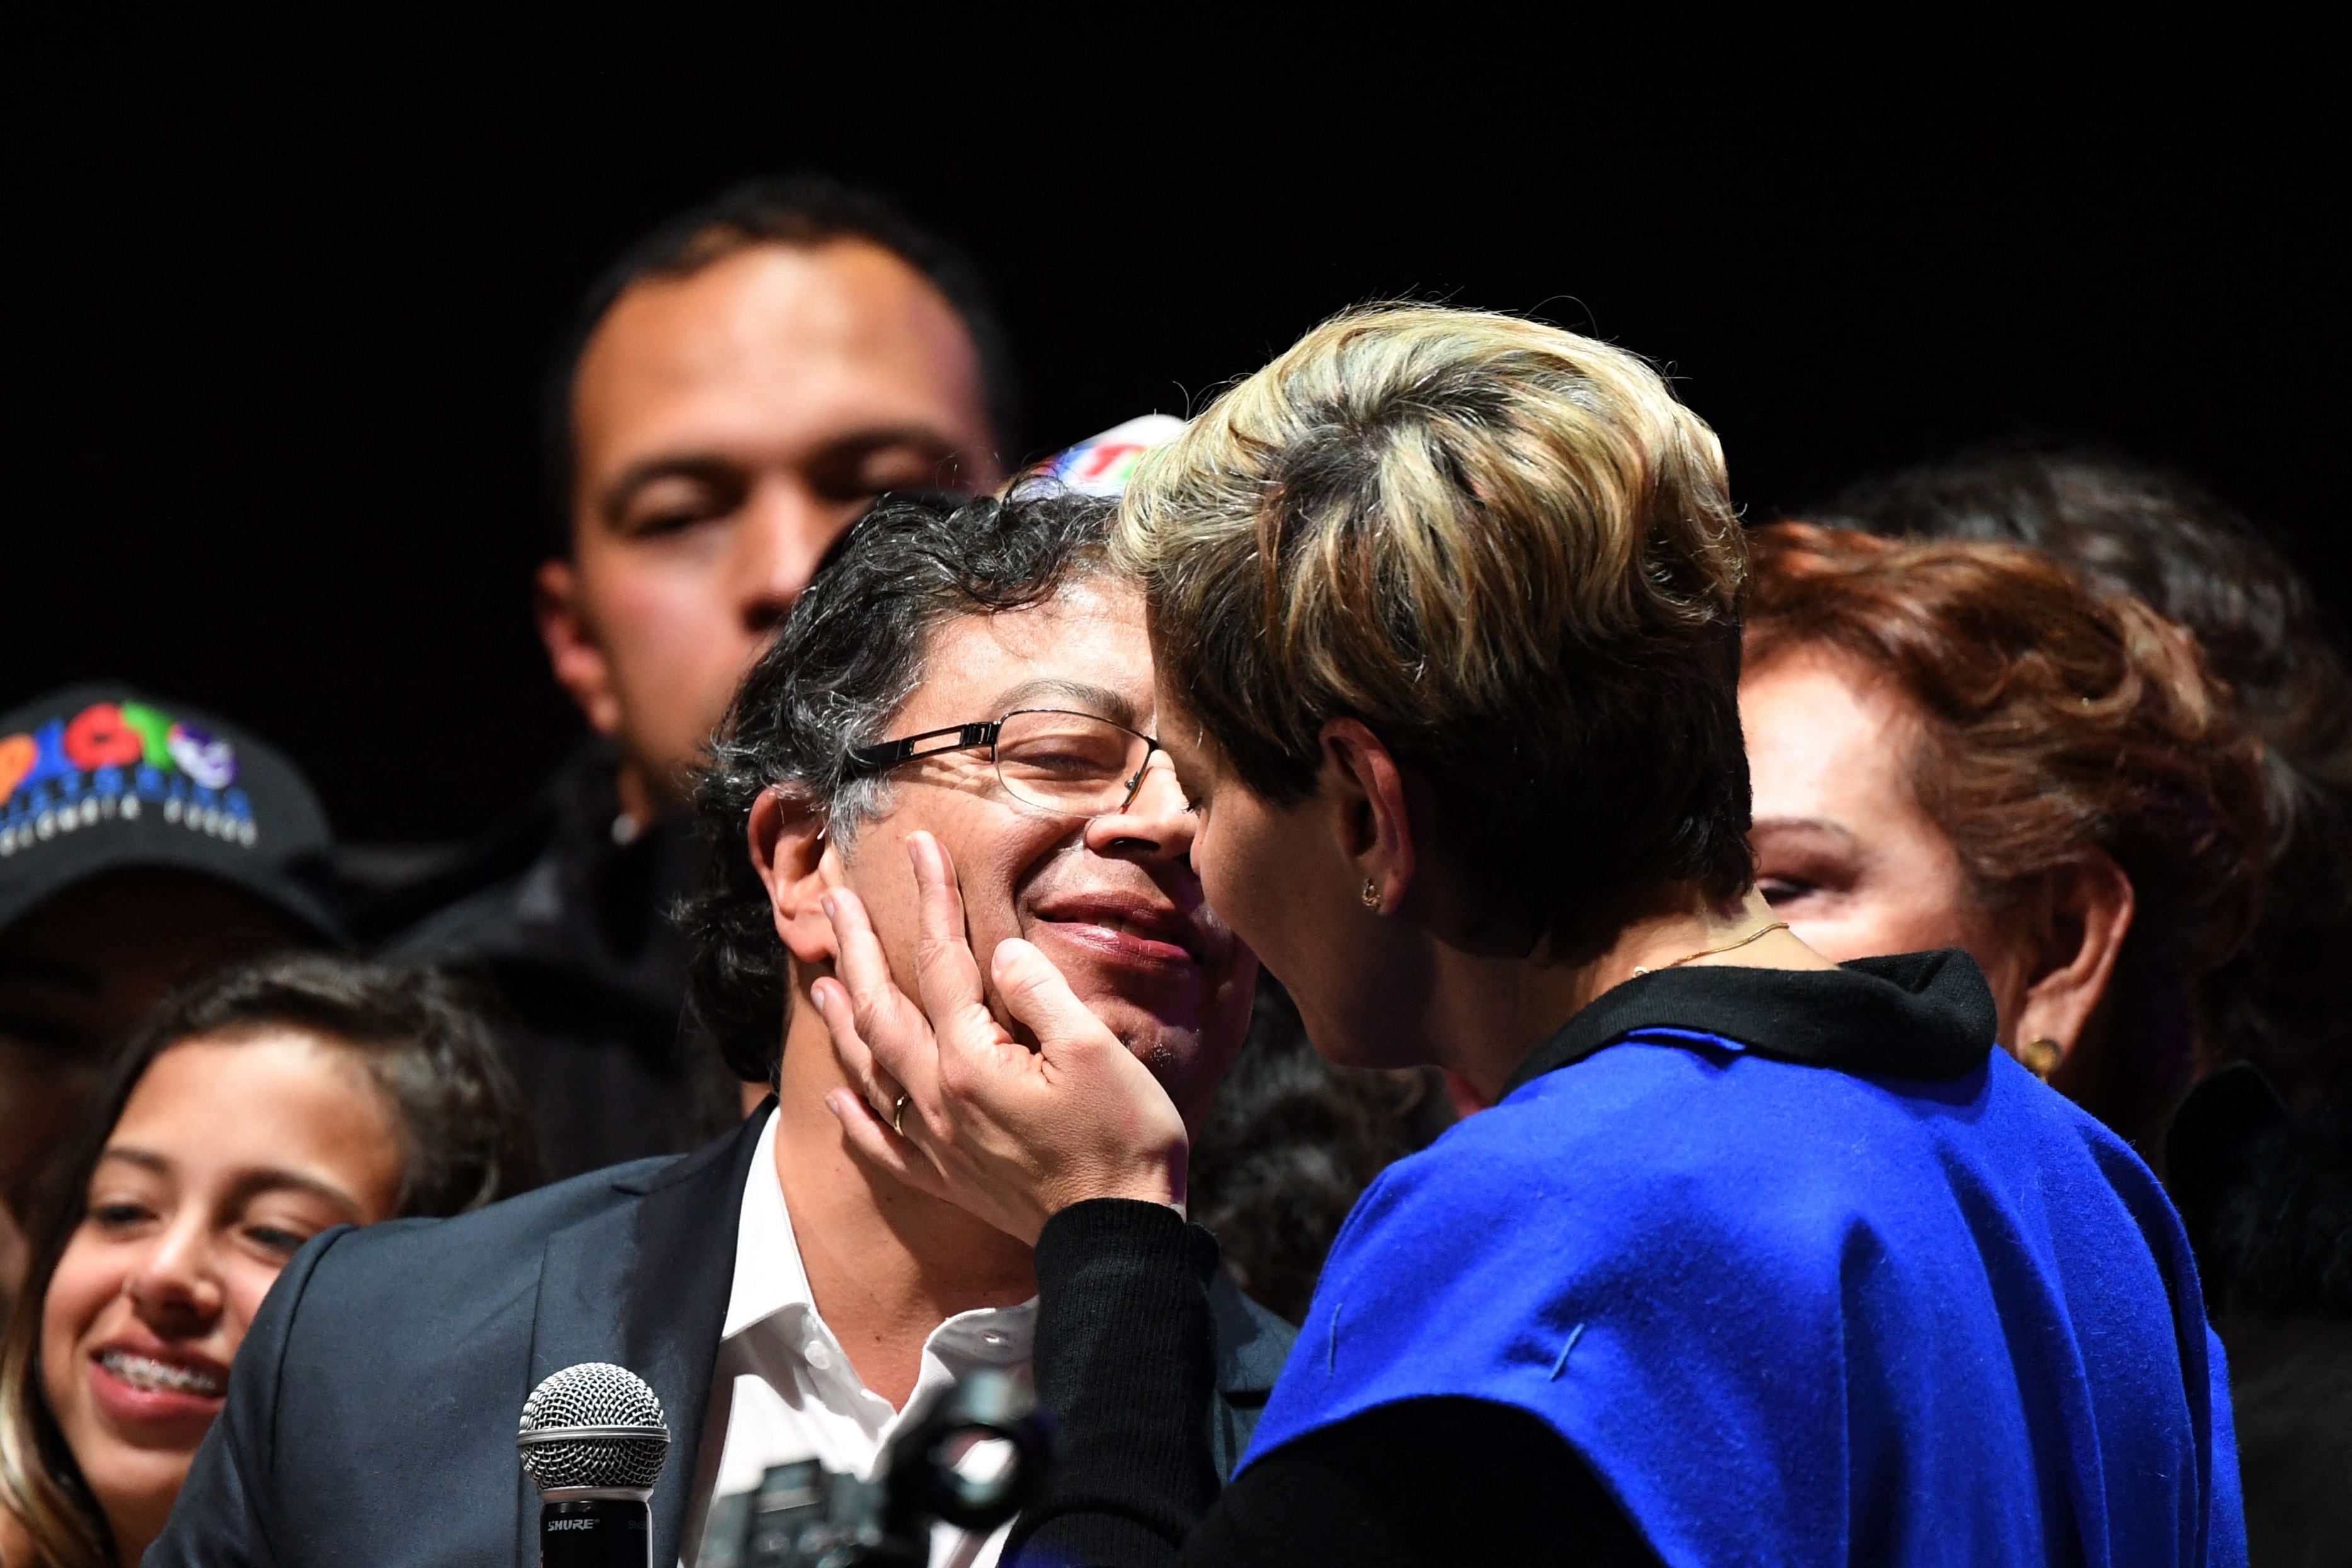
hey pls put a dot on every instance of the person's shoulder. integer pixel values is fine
(480, 920)
(1633, 1110)
(1686, 1105)
(1252, 1342)
(483, 1255)
(1652, 1149)
(484, 901)
(1647, 1140)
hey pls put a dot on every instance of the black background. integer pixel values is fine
(277, 360)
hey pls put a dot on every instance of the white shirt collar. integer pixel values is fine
(768, 1272)
(769, 1278)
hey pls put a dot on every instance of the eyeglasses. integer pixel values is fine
(1075, 764)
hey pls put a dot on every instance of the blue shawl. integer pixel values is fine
(1791, 1307)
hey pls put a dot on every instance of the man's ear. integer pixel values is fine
(790, 854)
(2082, 914)
(1362, 784)
(572, 651)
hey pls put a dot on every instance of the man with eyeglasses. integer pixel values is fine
(972, 674)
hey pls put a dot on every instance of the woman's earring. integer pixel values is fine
(1370, 895)
(2041, 1056)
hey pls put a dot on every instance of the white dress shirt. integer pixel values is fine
(782, 1391)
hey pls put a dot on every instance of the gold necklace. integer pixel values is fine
(1711, 952)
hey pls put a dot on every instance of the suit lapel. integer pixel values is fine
(645, 1285)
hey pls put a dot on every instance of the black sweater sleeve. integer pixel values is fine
(1124, 1362)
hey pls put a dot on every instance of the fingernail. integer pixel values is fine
(833, 1103)
(825, 904)
(817, 999)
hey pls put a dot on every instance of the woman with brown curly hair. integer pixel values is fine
(1957, 744)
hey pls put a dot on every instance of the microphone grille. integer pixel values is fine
(593, 1427)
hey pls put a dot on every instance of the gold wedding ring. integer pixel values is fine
(898, 1115)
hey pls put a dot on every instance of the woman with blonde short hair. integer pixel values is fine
(1755, 1259)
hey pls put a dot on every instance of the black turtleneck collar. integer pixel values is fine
(1915, 1015)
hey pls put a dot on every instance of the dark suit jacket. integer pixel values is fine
(371, 1410)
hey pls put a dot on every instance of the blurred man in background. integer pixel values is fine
(736, 390)
(143, 843)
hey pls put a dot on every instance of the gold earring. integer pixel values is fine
(2041, 1056)
(1370, 895)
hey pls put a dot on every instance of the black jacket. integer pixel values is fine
(372, 1411)
(568, 930)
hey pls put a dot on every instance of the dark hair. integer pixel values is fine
(2265, 1198)
(469, 1138)
(799, 211)
(2145, 532)
(467, 1141)
(846, 659)
(2053, 720)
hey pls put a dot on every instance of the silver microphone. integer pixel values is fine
(594, 1442)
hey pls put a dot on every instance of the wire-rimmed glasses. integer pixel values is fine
(1057, 759)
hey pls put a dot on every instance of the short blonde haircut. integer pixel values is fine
(1505, 548)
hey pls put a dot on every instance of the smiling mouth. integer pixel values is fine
(153, 1377)
(1125, 927)
(1146, 940)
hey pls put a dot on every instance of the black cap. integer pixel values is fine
(99, 778)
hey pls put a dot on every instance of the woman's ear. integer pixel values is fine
(793, 861)
(1363, 783)
(2084, 912)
